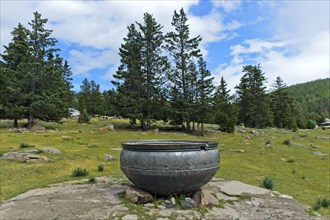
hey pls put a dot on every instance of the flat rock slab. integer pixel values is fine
(236, 188)
(102, 200)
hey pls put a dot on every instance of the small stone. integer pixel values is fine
(315, 147)
(323, 137)
(108, 157)
(173, 200)
(197, 197)
(238, 150)
(130, 217)
(318, 153)
(241, 131)
(50, 150)
(137, 196)
(107, 128)
(156, 130)
(254, 132)
(188, 203)
(149, 205)
(247, 137)
(168, 204)
(161, 207)
(207, 199)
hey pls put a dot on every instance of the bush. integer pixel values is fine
(286, 142)
(311, 124)
(321, 202)
(79, 172)
(84, 117)
(268, 183)
(25, 145)
(100, 167)
(92, 180)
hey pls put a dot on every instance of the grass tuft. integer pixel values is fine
(268, 183)
(25, 145)
(79, 172)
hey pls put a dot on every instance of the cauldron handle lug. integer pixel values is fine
(203, 147)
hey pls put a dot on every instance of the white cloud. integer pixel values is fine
(227, 5)
(298, 51)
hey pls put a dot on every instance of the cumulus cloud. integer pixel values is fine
(298, 51)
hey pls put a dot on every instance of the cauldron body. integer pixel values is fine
(169, 167)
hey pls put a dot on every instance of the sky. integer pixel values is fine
(289, 39)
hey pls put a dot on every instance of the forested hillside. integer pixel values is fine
(312, 99)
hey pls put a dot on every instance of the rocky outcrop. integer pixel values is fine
(24, 157)
(103, 200)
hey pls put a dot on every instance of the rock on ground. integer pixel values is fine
(103, 200)
(50, 150)
(24, 157)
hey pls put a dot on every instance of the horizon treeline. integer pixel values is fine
(162, 76)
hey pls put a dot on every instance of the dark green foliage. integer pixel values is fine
(312, 101)
(92, 180)
(286, 142)
(282, 106)
(268, 183)
(38, 83)
(90, 98)
(25, 145)
(203, 90)
(100, 167)
(321, 202)
(140, 77)
(79, 172)
(252, 99)
(183, 50)
(224, 110)
(311, 124)
(84, 117)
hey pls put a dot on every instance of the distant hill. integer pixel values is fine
(312, 99)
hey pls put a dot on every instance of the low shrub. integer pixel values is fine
(25, 145)
(291, 160)
(286, 142)
(268, 183)
(100, 167)
(311, 124)
(92, 180)
(79, 172)
(321, 202)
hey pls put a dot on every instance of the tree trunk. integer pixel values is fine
(15, 124)
(30, 121)
(202, 129)
(193, 126)
(143, 124)
(188, 123)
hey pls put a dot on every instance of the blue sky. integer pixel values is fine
(289, 39)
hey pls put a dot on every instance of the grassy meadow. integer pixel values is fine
(294, 168)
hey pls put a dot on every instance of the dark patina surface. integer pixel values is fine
(165, 167)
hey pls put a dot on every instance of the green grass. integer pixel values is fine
(88, 145)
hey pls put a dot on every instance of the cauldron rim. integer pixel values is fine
(169, 145)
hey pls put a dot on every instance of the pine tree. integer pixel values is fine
(90, 98)
(140, 77)
(130, 81)
(253, 102)
(224, 109)
(45, 86)
(204, 90)
(16, 53)
(154, 68)
(183, 49)
(282, 105)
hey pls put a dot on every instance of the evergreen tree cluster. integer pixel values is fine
(35, 80)
(161, 77)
